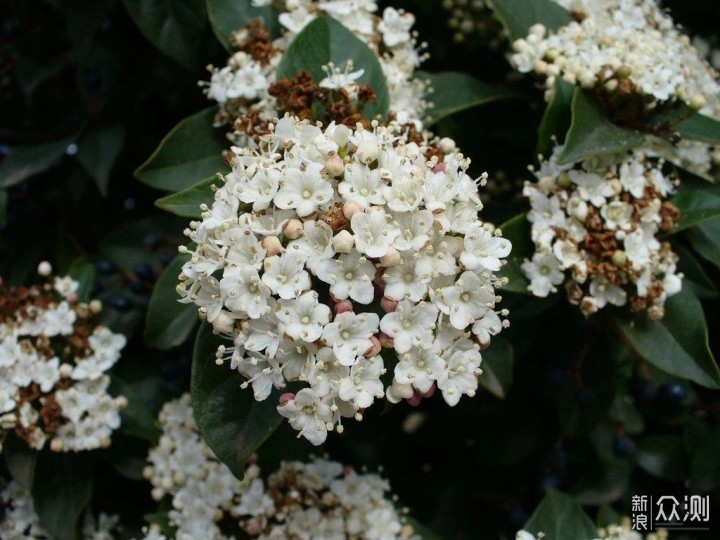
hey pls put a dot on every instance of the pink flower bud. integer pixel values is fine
(386, 341)
(286, 397)
(334, 166)
(388, 304)
(430, 392)
(415, 400)
(343, 306)
(440, 167)
(391, 258)
(374, 349)
(272, 245)
(293, 229)
(350, 208)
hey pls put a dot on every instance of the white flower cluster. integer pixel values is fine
(53, 359)
(320, 499)
(595, 229)
(618, 41)
(248, 79)
(19, 521)
(611, 532)
(323, 247)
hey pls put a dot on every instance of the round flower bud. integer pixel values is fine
(656, 313)
(367, 152)
(697, 102)
(334, 166)
(44, 268)
(343, 242)
(293, 229)
(95, 306)
(223, 323)
(56, 445)
(351, 208)
(447, 145)
(65, 371)
(272, 245)
(623, 72)
(286, 397)
(616, 186)
(121, 402)
(563, 180)
(388, 304)
(414, 400)
(391, 258)
(619, 258)
(343, 306)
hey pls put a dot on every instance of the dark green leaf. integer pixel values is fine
(176, 28)
(61, 491)
(705, 239)
(560, 517)
(662, 456)
(556, 120)
(226, 17)
(454, 92)
(603, 482)
(3, 207)
(137, 420)
(695, 276)
(24, 161)
(190, 152)
(325, 40)
(678, 344)
(20, 460)
(497, 365)
(83, 271)
(97, 152)
(168, 322)
(700, 128)
(592, 134)
(704, 465)
(698, 201)
(607, 516)
(517, 230)
(162, 520)
(519, 15)
(186, 203)
(230, 420)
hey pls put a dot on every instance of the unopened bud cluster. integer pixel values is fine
(208, 502)
(595, 227)
(621, 47)
(324, 248)
(53, 359)
(242, 85)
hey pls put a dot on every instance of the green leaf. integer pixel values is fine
(175, 28)
(662, 456)
(168, 322)
(517, 230)
(698, 200)
(592, 134)
(24, 161)
(700, 128)
(190, 152)
(186, 203)
(3, 207)
(227, 16)
(454, 92)
(421, 530)
(519, 15)
(97, 152)
(560, 517)
(83, 271)
(61, 491)
(694, 274)
(603, 482)
(230, 420)
(607, 516)
(326, 40)
(497, 366)
(20, 460)
(705, 239)
(556, 119)
(137, 420)
(678, 344)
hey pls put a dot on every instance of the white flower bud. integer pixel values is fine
(350, 208)
(343, 242)
(95, 306)
(272, 245)
(447, 145)
(121, 402)
(367, 152)
(293, 229)
(56, 445)
(223, 323)
(44, 268)
(334, 166)
(391, 258)
(65, 370)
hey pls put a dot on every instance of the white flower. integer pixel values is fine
(592, 187)
(460, 376)
(605, 292)
(484, 250)
(420, 367)
(308, 414)
(363, 385)
(374, 233)
(404, 281)
(285, 276)
(245, 292)
(304, 317)
(632, 178)
(395, 26)
(304, 190)
(544, 272)
(414, 229)
(617, 215)
(466, 301)
(410, 325)
(349, 335)
(337, 79)
(349, 276)
(362, 184)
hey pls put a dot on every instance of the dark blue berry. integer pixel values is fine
(643, 390)
(672, 393)
(122, 303)
(4, 151)
(585, 397)
(557, 458)
(624, 447)
(144, 272)
(106, 267)
(549, 481)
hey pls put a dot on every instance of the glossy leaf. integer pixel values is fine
(678, 344)
(175, 28)
(227, 16)
(561, 517)
(137, 420)
(698, 201)
(700, 128)
(519, 15)
(592, 134)
(705, 239)
(24, 161)
(326, 40)
(186, 203)
(517, 230)
(97, 152)
(694, 274)
(662, 456)
(190, 152)
(3, 207)
(20, 460)
(556, 119)
(83, 271)
(497, 367)
(230, 420)
(454, 92)
(168, 322)
(61, 491)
